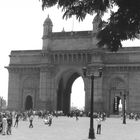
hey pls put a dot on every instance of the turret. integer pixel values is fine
(97, 21)
(47, 26)
(47, 32)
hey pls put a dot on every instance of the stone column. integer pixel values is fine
(47, 88)
(51, 91)
(13, 90)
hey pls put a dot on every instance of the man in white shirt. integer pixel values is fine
(99, 126)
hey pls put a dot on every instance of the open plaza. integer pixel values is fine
(66, 128)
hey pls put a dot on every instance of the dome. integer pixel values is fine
(48, 21)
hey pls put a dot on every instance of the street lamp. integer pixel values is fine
(124, 107)
(92, 76)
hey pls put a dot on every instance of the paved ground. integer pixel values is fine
(69, 129)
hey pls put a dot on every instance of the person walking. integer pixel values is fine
(76, 115)
(4, 125)
(16, 120)
(99, 125)
(9, 124)
(1, 122)
(31, 121)
(50, 117)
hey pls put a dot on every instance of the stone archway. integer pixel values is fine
(28, 103)
(29, 91)
(64, 91)
(117, 88)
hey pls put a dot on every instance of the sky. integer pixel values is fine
(21, 28)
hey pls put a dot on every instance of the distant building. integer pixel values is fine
(42, 79)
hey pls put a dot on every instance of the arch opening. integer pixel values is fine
(67, 97)
(28, 103)
(78, 95)
(117, 105)
(117, 86)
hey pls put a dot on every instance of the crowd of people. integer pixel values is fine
(6, 122)
(135, 116)
(9, 119)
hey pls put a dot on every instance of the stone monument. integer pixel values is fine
(42, 79)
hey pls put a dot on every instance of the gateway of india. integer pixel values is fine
(42, 79)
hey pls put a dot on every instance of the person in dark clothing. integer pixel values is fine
(50, 119)
(9, 125)
(0, 123)
(17, 120)
(76, 115)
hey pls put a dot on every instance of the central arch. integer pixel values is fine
(64, 91)
(77, 98)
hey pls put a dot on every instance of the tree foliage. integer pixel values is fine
(123, 24)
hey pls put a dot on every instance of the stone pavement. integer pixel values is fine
(64, 128)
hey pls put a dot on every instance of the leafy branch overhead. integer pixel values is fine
(123, 24)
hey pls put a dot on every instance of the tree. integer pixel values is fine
(123, 24)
